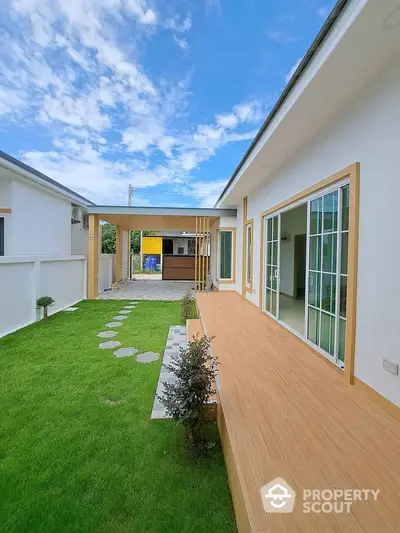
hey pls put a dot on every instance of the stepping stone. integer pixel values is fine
(120, 317)
(107, 334)
(125, 352)
(134, 303)
(70, 309)
(109, 344)
(147, 357)
(114, 324)
(125, 312)
(130, 307)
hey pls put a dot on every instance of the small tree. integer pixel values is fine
(44, 302)
(186, 399)
(187, 305)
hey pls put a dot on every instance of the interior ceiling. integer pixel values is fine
(156, 222)
(369, 45)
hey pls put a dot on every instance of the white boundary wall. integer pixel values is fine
(106, 268)
(24, 279)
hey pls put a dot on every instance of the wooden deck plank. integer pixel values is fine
(289, 414)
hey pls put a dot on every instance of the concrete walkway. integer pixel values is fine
(177, 338)
(149, 290)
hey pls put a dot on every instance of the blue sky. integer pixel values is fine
(166, 96)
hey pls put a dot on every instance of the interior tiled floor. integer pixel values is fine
(292, 312)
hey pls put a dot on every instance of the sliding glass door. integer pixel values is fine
(271, 262)
(326, 269)
(327, 272)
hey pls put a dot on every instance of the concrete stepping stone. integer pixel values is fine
(107, 334)
(125, 352)
(130, 307)
(114, 324)
(134, 303)
(71, 309)
(120, 317)
(109, 344)
(147, 357)
(125, 312)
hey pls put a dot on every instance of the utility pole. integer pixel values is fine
(130, 191)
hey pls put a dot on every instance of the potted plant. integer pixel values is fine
(44, 302)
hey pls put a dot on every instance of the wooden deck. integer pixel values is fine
(285, 412)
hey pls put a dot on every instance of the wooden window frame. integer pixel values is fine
(233, 231)
(352, 173)
(249, 224)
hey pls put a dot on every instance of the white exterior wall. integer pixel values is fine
(40, 223)
(106, 267)
(124, 255)
(367, 130)
(80, 236)
(225, 222)
(25, 279)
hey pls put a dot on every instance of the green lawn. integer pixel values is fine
(78, 451)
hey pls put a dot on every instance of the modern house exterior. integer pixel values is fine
(324, 167)
(43, 244)
(304, 267)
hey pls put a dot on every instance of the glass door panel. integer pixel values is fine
(272, 245)
(323, 274)
(326, 293)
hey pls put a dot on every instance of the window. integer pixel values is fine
(1, 236)
(249, 254)
(181, 250)
(225, 254)
(191, 246)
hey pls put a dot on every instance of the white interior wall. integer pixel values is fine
(293, 222)
(40, 223)
(180, 243)
(367, 130)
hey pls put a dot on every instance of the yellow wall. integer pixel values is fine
(152, 245)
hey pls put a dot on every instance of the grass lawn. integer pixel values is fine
(78, 451)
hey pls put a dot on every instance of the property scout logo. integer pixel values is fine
(279, 497)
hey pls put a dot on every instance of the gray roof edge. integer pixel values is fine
(333, 16)
(151, 211)
(42, 176)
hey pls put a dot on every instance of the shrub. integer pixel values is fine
(186, 399)
(188, 305)
(44, 302)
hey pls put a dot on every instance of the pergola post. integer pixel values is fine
(118, 253)
(93, 258)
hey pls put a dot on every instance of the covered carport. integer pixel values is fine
(191, 220)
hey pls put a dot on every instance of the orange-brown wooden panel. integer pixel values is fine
(286, 413)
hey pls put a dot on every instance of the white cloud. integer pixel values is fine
(228, 121)
(177, 25)
(182, 43)
(293, 70)
(80, 80)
